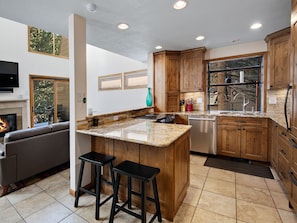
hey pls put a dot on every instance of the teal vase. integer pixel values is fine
(149, 98)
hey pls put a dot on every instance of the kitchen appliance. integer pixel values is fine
(203, 134)
(285, 107)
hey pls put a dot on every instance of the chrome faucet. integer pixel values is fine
(245, 101)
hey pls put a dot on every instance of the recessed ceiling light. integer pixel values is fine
(123, 26)
(256, 26)
(91, 7)
(200, 38)
(158, 47)
(180, 4)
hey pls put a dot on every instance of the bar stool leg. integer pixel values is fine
(157, 202)
(82, 165)
(129, 193)
(143, 199)
(115, 197)
(97, 189)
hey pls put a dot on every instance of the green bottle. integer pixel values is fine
(149, 98)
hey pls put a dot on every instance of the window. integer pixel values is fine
(236, 84)
(135, 79)
(49, 98)
(110, 82)
(41, 41)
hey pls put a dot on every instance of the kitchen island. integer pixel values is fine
(166, 146)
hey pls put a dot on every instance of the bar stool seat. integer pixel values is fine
(98, 160)
(143, 173)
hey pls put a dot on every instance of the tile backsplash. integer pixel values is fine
(197, 98)
(276, 99)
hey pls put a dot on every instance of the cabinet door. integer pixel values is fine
(172, 72)
(274, 145)
(293, 194)
(159, 82)
(294, 78)
(172, 102)
(228, 141)
(279, 55)
(254, 143)
(293, 144)
(191, 75)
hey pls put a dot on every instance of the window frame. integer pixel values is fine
(44, 53)
(110, 77)
(135, 74)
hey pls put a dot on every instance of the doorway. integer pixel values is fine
(49, 100)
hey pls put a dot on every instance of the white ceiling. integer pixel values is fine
(155, 22)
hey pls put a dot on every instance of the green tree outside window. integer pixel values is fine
(42, 41)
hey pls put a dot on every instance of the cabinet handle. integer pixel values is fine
(293, 143)
(293, 178)
(283, 134)
(283, 152)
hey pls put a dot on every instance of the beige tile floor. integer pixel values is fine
(214, 196)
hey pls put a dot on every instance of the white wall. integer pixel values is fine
(14, 47)
(234, 50)
(101, 62)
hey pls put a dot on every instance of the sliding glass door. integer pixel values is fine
(49, 99)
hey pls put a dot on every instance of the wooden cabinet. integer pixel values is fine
(284, 157)
(172, 160)
(191, 72)
(273, 144)
(293, 172)
(243, 137)
(294, 70)
(166, 81)
(279, 58)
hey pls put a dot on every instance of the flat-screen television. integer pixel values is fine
(9, 74)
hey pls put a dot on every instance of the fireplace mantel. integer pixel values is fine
(18, 106)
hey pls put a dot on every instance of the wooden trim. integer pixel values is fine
(199, 49)
(33, 77)
(138, 73)
(100, 79)
(282, 32)
(237, 56)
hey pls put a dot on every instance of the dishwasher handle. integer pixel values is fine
(202, 119)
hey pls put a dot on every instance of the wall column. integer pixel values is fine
(79, 143)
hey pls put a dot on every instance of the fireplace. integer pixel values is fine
(8, 123)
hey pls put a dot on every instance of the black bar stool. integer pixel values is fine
(145, 174)
(98, 160)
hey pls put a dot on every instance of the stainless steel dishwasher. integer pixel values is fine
(203, 134)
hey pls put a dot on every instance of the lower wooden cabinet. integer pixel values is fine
(273, 144)
(243, 137)
(293, 172)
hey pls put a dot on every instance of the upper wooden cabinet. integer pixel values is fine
(191, 72)
(279, 58)
(166, 81)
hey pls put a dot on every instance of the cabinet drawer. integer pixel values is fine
(246, 121)
(283, 173)
(223, 120)
(293, 144)
(293, 194)
(284, 149)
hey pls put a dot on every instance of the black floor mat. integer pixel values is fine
(239, 166)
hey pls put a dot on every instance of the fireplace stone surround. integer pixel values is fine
(18, 106)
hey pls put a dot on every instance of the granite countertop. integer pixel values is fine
(279, 118)
(140, 131)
